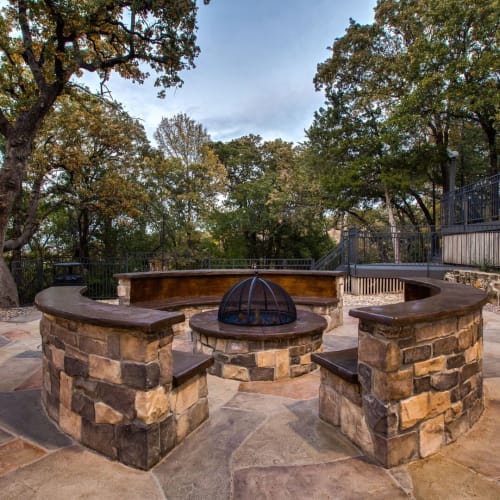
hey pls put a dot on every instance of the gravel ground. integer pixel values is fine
(20, 314)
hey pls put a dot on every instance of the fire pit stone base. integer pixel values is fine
(249, 354)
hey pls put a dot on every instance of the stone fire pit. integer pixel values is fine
(246, 340)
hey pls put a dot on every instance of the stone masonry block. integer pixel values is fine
(139, 445)
(435, 330)
(142, 376)
(105, 369)
(465, 339)
(444, 380)
(381, 417)
(93, 346)
(165, 361)
(353, 425)
(418, 353)
(431, 436)
(104, 414)
(70, 422)
(378, 353)
(447, 345)
(430, 366)
(185, 395)
(57, 357)
(393, 385)
(329, 404)
(99, 437)
(439, 402)
(396, 450)
(235, 372)
(413, 410)
(138, 348)
(66, 390)
(152, 406)
(282, 364)
(265, 358)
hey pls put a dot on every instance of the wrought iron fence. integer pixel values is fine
(398, 247)
(473, 204)
(33, 275)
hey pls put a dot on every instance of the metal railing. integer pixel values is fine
(473, 204)
(33, 275)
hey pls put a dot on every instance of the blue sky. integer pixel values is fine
(254, 74)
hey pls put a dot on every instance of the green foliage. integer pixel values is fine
(400, 92)
(271, 208)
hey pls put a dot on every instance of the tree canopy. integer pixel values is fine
(43, 45)
(400, 93)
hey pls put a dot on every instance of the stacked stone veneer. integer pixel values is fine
(420, 387)
(249, 360)
(112, 389)
(489, 282)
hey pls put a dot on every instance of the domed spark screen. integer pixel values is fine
(257, 302)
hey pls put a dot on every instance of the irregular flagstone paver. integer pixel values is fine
(479, 448)
(15, 370)
(17, 453)
(339, 342)
(220, 391)
(34, 381)
(5, 436)
(294, 436)
(200, 467)
(17, 335)
(439, 478)
(258, 402)
(305, 387)
(3, 341)
(343, 480)
(29, 354)
(492, 388)
(21, 413)
(74, 473)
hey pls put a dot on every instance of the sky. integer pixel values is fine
(255, 72)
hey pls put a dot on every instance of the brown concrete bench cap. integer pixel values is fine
(342, 363)
(69, 303)
(187, 364)
(445, 300)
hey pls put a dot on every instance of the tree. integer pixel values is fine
(88, 161)
(44, 44)
(396, 93)
(272, 209)
(188, 182)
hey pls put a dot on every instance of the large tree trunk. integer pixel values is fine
(8, 288)
(393, 226)
(17, 152)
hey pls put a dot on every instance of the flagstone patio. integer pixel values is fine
(262, 440)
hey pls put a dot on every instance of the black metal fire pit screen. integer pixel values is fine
(257, 302)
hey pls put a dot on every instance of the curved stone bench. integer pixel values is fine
(414, 384)
(197, 291)
(112, 381)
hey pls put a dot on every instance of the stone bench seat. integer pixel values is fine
(414, 384)
(214, 300)
(195, 291)
(186, 365)
(343, 363)
(112, 381)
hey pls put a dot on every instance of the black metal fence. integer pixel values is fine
(33, 275)
(473, 204)
(399, 247)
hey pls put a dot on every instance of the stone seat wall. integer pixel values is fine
(192, 292)
(110, 378)
(419, 371)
